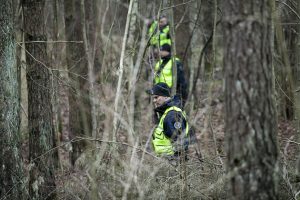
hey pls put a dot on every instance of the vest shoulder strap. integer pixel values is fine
(161, 66)
(169, 109)
(178, 110)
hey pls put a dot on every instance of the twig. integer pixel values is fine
(291, 141)
(115, 142)
(121, 70)
(295, 12)
(57, 41)
(78, 139)
(192, 33)
(22, 107)
(180, 4)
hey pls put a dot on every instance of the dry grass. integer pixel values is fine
(132, 172)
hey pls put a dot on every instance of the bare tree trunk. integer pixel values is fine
(195, 45)
(59, 60)
(129, 64)
(292, 52)
(119, 86)
(133, 138)
(173, 35)
(89, 51)
(76, 67)
(48, 13)
(250, 111)
(121, 71)
(285, 75)
(20, 53)
(297, 94)
(11, 174)
(41, 139)
(90, 22)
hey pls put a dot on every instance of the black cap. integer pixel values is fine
(162, 16)
(166, 47)
(160, 89)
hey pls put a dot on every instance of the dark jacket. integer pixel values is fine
(181, 87)
(174, 122)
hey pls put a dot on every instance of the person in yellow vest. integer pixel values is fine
(163, 72)
(159, 32)
(171, 135)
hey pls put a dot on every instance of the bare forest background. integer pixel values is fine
(76, 122)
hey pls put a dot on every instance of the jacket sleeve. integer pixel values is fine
(181, 88)
(174, 124)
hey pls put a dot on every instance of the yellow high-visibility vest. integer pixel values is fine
(162, 145)
(165, 75)
(159, 37)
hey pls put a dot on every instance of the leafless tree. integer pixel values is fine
(11, 174)
(41, 135)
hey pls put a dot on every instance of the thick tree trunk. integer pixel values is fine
(10, 160)
(250, 111)
(293, 39)
(41, 140)
(297, 94)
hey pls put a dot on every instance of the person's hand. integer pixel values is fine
(149, 22)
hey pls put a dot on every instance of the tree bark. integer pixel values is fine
(79, 124)
(129, 66)
(59, 62)
(297, 95)
(89, 49)
(285, 78)
(11, 174)
(121, 72)
(195, 45)
(41, 139)
(250, 112)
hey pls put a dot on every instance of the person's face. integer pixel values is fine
(163, 21)
(163, 54)
(159, 100)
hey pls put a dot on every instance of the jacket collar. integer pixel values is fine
(174, 101)
(166, 58)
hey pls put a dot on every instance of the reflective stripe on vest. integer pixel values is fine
(161, 144)
(153, 33)
(165, 75)
(163, 36)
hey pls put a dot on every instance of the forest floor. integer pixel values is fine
(209, 125)
(208, 121)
